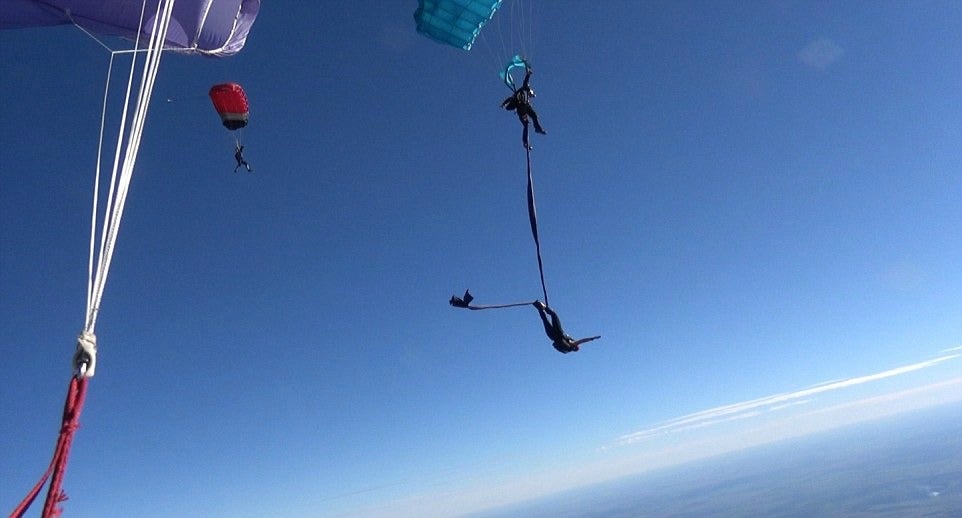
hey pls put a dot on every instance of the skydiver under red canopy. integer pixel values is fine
(562, 342)
(239, 156)
(520, 103)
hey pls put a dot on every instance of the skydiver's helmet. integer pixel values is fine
(530, 92)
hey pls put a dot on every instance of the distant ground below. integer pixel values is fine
(905, 466)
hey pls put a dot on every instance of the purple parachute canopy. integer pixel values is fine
(209, 27)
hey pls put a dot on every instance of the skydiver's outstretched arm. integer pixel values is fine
(586, 340)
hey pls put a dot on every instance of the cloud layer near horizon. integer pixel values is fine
(756, 407)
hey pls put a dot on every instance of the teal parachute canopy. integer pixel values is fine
(454, 22)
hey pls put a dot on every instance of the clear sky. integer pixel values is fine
(746, 199)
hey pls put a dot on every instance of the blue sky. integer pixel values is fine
(744, 199)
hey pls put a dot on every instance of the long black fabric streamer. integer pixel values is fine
(533, 218)
(465, 303)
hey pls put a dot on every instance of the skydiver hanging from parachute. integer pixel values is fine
(458, 23)
(231, 104)
(520, 103)
(239, 156)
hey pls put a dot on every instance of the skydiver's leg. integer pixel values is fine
(556, 328)
(524, 134)
(537, 125)
(547, 326)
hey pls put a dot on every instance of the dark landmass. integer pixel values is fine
(909, 465)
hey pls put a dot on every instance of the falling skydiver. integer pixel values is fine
(562, 342)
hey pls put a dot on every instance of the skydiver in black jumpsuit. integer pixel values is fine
(239, 156)
(562, 342)
(520, 102)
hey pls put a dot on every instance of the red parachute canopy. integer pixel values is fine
(230, 101)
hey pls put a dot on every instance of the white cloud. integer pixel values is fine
(792, 403)
(821, 53)
(771, 403)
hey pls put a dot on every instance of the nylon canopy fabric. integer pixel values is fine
(230, 101)
(209, 27)
(454, 22)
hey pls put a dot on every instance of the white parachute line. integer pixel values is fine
(489, 51)
(529, 29)
(513, 27)
(522, 30)
(119, 185)
(152, 61)
(104, 249)
(136, 132)
(130, 51)
(96, 197)
(88, 33)
(505, 51)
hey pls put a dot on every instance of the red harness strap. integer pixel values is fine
(58, 465)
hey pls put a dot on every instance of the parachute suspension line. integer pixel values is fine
(96, 197)
(93, 305)
(528, 46)
(504, 48)
(120, 185)
(523, 25)
(519, 29)
(88, 33)
(522, 30)
(491, 53)
(533, 219)
(511, 26)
